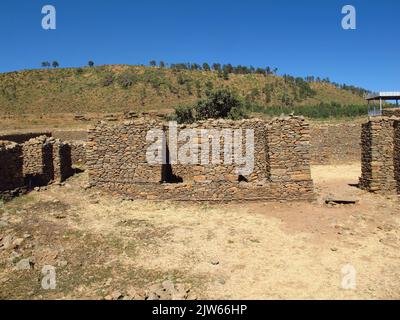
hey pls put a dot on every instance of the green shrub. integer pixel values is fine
(184, 114)
(221, 103)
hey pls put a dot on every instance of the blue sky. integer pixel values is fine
(298, 37)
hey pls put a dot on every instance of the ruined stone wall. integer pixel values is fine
(23, 137)
(378, 156)
(37, 161)
(118, 153)
(46, 160)
(62, 163)
(78, 152)
(397, 154)
(116, 161)
(218, 131)
(390, 112)
(11, 168)
(333, 143)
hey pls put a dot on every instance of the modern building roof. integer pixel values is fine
(384, 96)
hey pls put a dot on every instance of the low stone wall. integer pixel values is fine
(23, 137)
(36, 162)
(335, 143)
(390, 112)
(116, 162)
(11, 168)
(70, 135)
(378, 156)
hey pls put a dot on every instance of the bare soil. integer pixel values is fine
(104, 247)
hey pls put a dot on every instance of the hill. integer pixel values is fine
(118, 88)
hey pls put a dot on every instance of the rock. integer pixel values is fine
(334, 249)
(168, 285)
(152, 296)
(25, 264)
(14, 256)
(116, 295)
(214, 262)
(62, 263)
(7, 241)
(18, 242)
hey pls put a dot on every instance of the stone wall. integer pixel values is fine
(397, 154)
(116, 162)
(62, 163)
(390, 112)
(378, 155)
(46, 160)
(333, 143)
(11, 168)
(78, 152)
(37, 161)
(23, 137)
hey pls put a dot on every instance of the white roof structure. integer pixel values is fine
(381, 96)
(395, 95)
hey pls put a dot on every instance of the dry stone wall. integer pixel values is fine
(378, 156)
(333, 143)
(116, 162)
(23, 137)
(397, 154)
(37, 162)
(390, 112)
(78, 152)
(62, 163)
(11, 168)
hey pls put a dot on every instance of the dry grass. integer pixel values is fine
(231, 251)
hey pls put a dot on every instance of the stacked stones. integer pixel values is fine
(62, 164)
(38, 161)
(289, 152)
(335, 143)
(23, 137)
(11, 173)
(220, 130)
(118, 153)
(78, 152)
(391, 112)
(397, 154)
(116, 161)
(378, 156)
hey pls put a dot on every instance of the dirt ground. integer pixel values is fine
(104, 247)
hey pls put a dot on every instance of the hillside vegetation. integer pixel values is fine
(118, 88)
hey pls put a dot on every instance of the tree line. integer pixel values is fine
(218, 67)
(56, 64)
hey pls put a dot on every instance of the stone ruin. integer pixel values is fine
(11, 168)
(380, 156)
(36, 162)
(116, 162)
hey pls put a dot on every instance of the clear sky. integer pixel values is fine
(299, 37)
